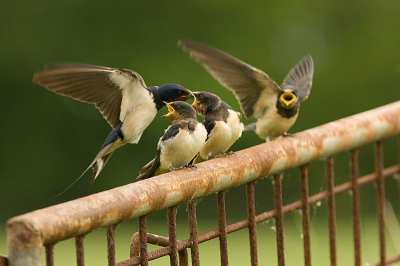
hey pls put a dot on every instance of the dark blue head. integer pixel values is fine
(174, 92)
(169, 93)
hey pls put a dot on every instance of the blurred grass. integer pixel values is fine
(238, 243)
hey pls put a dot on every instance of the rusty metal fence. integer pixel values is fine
(29, 234)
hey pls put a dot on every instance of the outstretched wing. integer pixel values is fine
(111, 90)
(245, 81)
(300, 77)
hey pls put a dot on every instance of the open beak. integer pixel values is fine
(191, 95)
(170, 110)
(288, 100)
(195, 102)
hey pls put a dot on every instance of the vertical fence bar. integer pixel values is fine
(354, 171)
(183, 257)
(380, 199)
(144, 261)
(330, 183)
(194, 241)
(80, 255)
(279, 219)
(50, 255)
(111, 245)
(398, 179)
(305, 214)
(223, 242)
(251, 214)
(173, 256)
(4, 261)
(134, 250)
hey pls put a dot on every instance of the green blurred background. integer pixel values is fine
(49, 140)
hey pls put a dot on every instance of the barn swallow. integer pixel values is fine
(223, 124)
(121, 95)
(275, 107)
(180, 143)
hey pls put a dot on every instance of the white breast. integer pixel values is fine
(222, 136)
(138, 119)
(272, 125)
(182, 148)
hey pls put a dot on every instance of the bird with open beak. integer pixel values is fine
(275, 107)
(121, 96)
(180, 143)
(224, 125)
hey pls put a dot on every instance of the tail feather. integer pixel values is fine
(150, 169)
(250, 127)
(113, 141)
(98, 165)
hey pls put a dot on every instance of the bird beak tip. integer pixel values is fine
(170, 109)
(191, 95)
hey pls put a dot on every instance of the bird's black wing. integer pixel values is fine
(171, 132)
(245, 81)
(112, 91)
(149, 169)
(300, 78)
(209, 124)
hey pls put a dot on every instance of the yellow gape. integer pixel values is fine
(288, 100)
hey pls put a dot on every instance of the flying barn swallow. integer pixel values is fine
(223, 124)
(180, 143)
(275, 107)
(121, 95)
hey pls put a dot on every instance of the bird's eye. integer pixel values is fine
(200, 96)
(179, 92)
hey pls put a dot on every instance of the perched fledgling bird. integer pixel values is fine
(276, 108)
(121, 95)
(223, 124)
(180, 143)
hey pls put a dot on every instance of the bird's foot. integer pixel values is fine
(220, 155)
(190, 165)
(186, 166)
(286, 135)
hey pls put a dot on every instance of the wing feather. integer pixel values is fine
(300, 77)
(245, 81)
(104, 87)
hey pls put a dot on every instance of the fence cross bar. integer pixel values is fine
(27, 234)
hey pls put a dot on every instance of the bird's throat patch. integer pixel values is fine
(287, 105)
(199, 107)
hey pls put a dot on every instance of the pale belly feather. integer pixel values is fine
(272, 125)
(222, 136)
(182, 148)
(136, 122)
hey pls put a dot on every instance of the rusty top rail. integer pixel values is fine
(29, 232)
